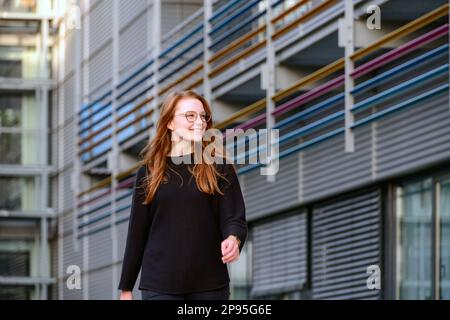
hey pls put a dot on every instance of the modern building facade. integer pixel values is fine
(358, 91)
(27, 219)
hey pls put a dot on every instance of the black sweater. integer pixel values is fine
(176, 239)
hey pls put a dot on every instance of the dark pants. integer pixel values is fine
(218, 294)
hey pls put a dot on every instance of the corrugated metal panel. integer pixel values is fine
(70, 255)
(129, 9)
(54, 267)
(122, 231)
(93, 3)
(100, 25)
(262, 197)
(279, 255)
(100, 70)
(67, 220)
(74, 294)
(54, 134)
(67, 185)
(69, 98)
(174, 13)
(100, 249)
(98, 214)
(70, 49)
(327, 168)
(346, 240)
(54, 192)
(100, 284)
(69, 137)
(413, 138)
(133, 42)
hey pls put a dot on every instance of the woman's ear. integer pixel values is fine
(170, 126)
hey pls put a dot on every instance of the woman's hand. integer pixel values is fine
(126, 295)
(230, 249)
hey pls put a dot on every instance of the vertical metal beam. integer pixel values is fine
(43, 148)
(44, 256)
(349, 82)
(114, 159)
(85, 100)
(156, 51)
(389, 242)
(207, 14)
(436, 233)
(59, 68)
(76, 176)
(270, 76)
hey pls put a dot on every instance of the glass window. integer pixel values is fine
(443, 192)
(19, 193)
(20, 130)
(18, 109)
(423, 239)
(19, 5)
(414, 240)
(19, 62)
(21, 148)
(240, 274)
(8, 292)
(14, 263)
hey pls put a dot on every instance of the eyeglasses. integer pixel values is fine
(191, 116)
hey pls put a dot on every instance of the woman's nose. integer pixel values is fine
(199, 121)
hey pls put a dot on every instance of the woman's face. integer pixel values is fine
(187, 121)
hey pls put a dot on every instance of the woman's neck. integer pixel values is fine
(181, 148)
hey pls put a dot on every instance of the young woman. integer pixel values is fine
(187, 219)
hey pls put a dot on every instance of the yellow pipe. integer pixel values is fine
(317, 75)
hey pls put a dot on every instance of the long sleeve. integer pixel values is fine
(232, 207)
(138, 228)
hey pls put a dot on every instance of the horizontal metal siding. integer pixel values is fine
(54, 192)
(69, 98)
(67, 222)
(100, 25)
(72, 294)
(69, 139)
(345, 241)
(129, 9)
(414, 138)
(53, 292)
(100, 284)
(262, 197)
(69, 52)
(100, 249)
(327, 168)
(122, 231)
(67, 187)
(173, 14)
(70, 255)
(100, 70)
(279, 255)
(133, 42)
(54, 130)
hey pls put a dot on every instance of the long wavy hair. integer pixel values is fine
(156, 151)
